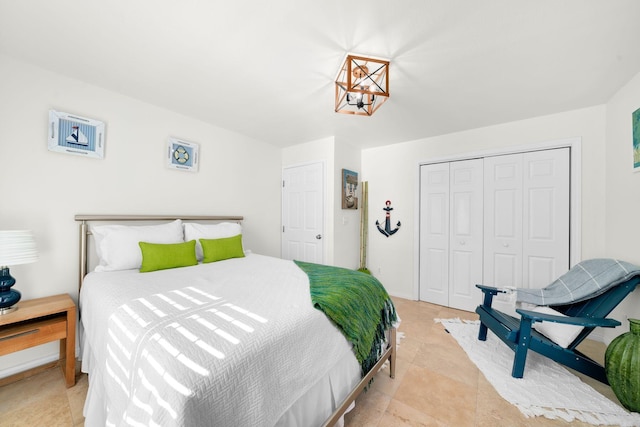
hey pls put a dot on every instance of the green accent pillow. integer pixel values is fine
(219, 249)
(161, 256)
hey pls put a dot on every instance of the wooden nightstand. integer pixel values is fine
(39, 321)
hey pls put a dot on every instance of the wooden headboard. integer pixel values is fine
(85, 232)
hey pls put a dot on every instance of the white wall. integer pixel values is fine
(347, 221)
(623, 193)
(392, 172)
(43, 190)
(622, 182)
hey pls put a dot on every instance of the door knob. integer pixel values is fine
(319, 236)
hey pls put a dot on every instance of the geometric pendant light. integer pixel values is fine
(362, 85)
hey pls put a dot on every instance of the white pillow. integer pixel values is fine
(195, 231)
(560, 333)
(117, 245)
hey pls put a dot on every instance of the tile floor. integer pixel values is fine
(435, 385)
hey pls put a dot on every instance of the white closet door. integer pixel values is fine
(546, 216)
(526, 218)
(434, 233)
(503, 220)
(466, 235)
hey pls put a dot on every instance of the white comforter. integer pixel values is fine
(232, 343)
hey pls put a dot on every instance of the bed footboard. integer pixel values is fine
(390, 355)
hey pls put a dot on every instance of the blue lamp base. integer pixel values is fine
(8, 296)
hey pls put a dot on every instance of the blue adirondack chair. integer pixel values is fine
(585, 295)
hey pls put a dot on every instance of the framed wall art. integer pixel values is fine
(635, 120)
(182, 155)
(349, 187)
(72, 134)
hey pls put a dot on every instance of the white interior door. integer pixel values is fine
(466, 234)
(434, 233)
(303, 213)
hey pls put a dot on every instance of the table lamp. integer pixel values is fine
(16, 247)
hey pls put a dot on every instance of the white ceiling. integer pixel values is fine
(266, 68)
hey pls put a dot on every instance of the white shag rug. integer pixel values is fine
(547, 389)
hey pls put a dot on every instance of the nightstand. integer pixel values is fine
(40, 321)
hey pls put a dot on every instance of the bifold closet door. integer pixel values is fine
(434, 233)
(546, 224)
(526, 218)
(451, 223)
(503, 220)
(465, 233)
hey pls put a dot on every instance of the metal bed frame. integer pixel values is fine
(388, 355)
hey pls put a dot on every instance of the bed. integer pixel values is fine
(235, 341)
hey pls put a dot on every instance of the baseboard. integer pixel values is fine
(597, 335)
(401, 295)
(27, 369)
(33, 364)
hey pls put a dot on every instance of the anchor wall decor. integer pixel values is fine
(387, 231)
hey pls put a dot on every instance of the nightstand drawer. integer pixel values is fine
(38, 321)
(30, 334)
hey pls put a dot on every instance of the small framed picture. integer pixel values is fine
(72, 134)
(182, 155)
(349, 187)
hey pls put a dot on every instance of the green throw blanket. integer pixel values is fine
(357, 303)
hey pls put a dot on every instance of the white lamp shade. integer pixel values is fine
(17, 247)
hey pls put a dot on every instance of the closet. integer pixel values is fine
(498, 220)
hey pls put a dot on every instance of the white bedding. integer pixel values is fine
(231, 343)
